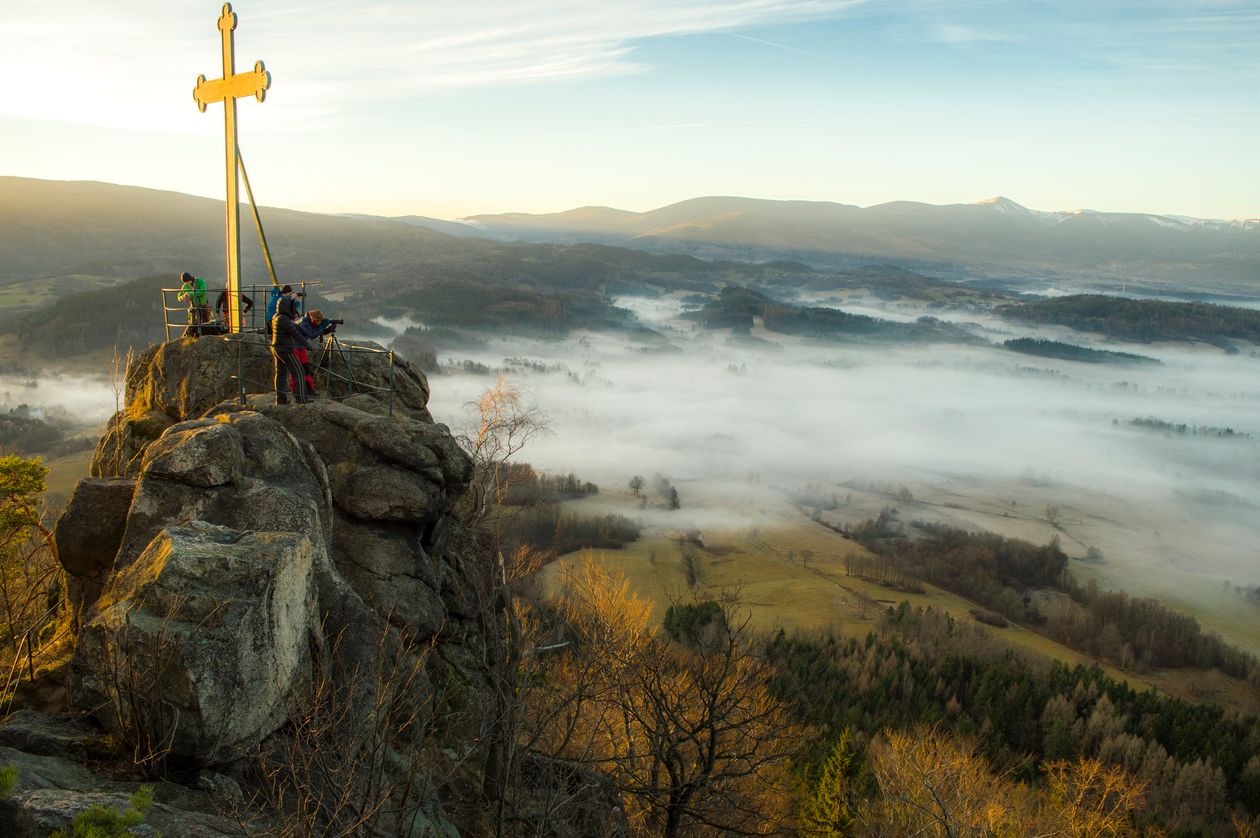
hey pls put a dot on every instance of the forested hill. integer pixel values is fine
(1144, 321)
(737, 308)
(52, 229)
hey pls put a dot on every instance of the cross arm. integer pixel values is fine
(234, 87)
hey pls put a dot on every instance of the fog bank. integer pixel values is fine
(973, 423)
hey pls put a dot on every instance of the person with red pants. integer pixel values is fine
(312, 327)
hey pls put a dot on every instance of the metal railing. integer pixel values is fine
(184, 318)
(331, 363)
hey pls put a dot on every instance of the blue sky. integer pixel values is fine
(450, 108)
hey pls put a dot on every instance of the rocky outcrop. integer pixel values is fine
(239, 470)
(259, 558)
(276, 584)
(183, 379)
(210, 630)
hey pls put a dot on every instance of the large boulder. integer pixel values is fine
(185, 378)
(173, 381)
(203, 642)
(240, 470)
(87, 536)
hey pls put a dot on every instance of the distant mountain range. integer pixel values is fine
(67, 228)
(996, 235)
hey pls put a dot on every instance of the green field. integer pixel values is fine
(32, 293)
(764, 571)
(64, 473)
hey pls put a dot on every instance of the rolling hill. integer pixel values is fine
(997, 235)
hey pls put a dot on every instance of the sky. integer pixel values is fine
(447, 109)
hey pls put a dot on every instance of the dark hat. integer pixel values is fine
(286, 289)
(186, 277)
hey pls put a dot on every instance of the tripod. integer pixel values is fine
(331, 351)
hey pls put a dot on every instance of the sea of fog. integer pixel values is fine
(981, 420)
(963, 427)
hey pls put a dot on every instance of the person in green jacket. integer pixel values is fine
(194, 291)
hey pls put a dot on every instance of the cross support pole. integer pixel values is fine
(227, 90)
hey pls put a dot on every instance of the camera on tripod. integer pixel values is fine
(333, 323)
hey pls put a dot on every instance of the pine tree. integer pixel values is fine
(829, 809)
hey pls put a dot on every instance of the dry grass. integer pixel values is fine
(64, 473)
(765, 570)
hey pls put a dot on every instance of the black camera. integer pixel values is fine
(336, 321)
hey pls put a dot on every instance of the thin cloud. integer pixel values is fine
(134, 66)
(774, 44)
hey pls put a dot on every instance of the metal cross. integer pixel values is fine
(227, 90)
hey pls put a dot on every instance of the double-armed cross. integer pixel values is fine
(227, 90)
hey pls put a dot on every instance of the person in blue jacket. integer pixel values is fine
(273, 301)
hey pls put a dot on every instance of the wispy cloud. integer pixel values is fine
(134, 63)
(774, 44)
(1171, 36)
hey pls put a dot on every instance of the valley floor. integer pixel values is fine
(788, 571)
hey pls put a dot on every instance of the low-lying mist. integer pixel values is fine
(1157, 466)
(85, 399)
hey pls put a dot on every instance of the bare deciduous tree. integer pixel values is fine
(502, 425)
(690, 736)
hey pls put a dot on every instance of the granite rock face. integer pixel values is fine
(394, 484)
(210, 631)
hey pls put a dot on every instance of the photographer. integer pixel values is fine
(313, 327)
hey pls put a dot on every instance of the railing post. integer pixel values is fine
(391, 383)
(240, 367)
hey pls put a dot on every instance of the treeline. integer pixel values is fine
(989, 569)
(661, 485)
(1150, 423)
(474, 304)
(548, 529)
(1140, 632)
(735, 307)
(1002, 573)
(1072, 352)
(1144, 321)
(1200, 762)
(126, 315)
(519, 484)
(531, 513)
(23, 434)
